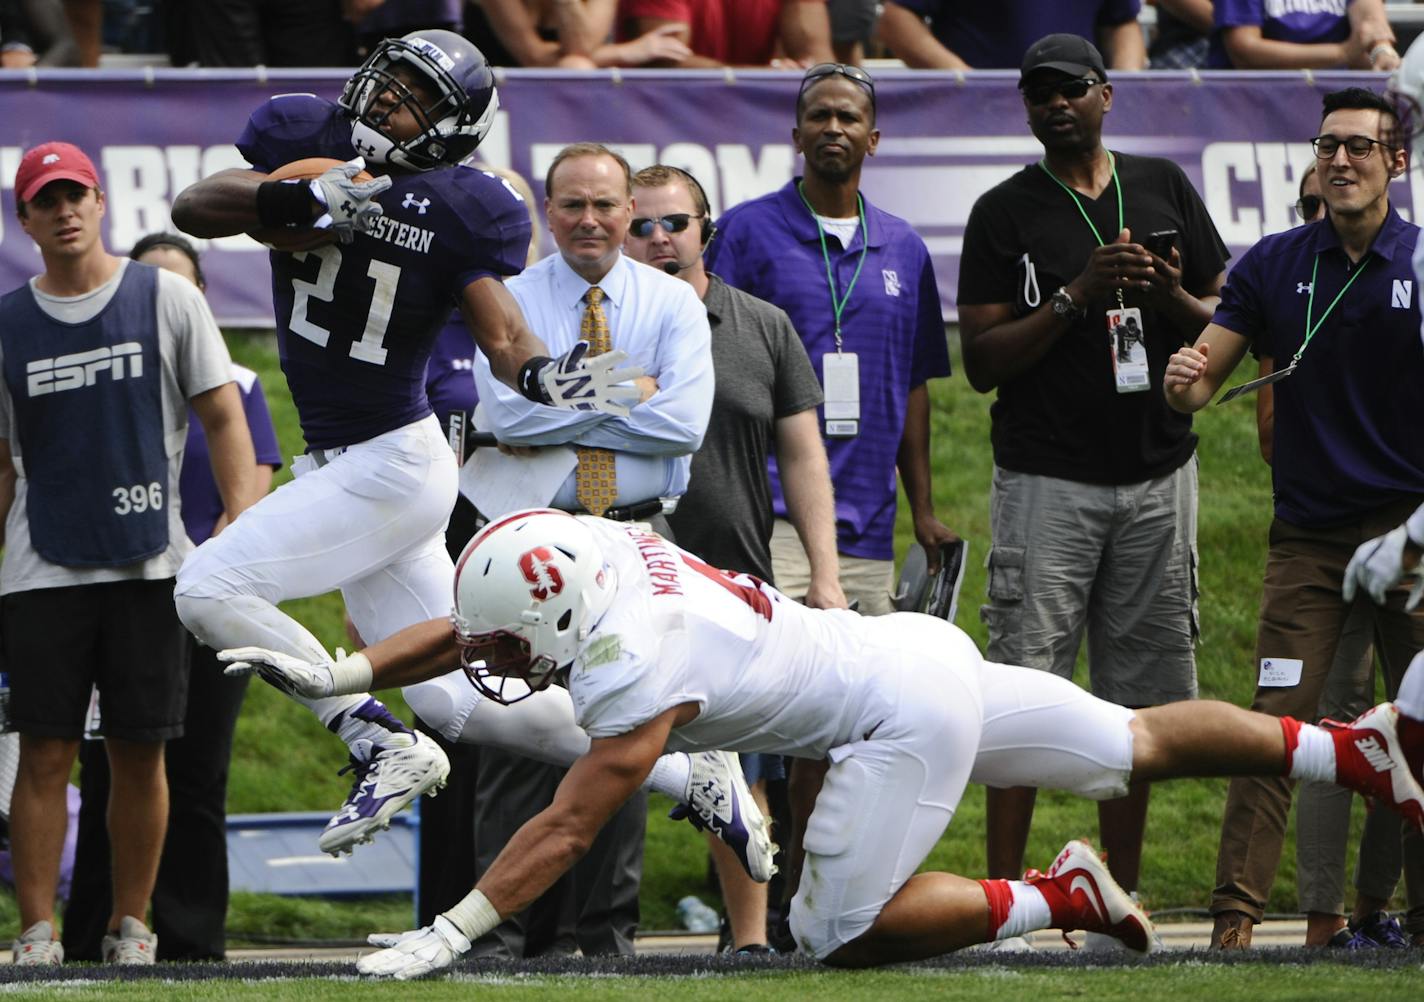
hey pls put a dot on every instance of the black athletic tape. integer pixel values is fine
(285, 203)
(528, 380)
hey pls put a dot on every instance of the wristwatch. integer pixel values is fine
(1063, 304)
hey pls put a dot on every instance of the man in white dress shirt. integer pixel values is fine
(656, 319)
(625, 468)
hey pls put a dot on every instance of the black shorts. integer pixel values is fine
(123, 636)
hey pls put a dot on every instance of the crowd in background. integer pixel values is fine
(588, 34)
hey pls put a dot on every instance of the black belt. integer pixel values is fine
(635, 512)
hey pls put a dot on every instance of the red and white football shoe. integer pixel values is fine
(1082, 894)
(1381, 754)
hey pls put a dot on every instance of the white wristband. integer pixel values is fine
(473, 915)
(1414, 526)
(351, 674)
(1381, 47)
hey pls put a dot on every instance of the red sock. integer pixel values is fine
(1290, 727)
(1001, 899)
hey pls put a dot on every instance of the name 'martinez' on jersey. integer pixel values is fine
(81, 369)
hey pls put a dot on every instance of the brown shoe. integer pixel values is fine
(1232, 931)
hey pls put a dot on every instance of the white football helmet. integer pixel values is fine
(1406, 93)
(528, 589)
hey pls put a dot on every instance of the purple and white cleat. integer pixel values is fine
(718, 800)
(390, 776)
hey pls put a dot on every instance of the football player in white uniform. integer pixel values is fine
(660, 651)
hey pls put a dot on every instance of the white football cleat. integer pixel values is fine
(718, 800)
(393, 775)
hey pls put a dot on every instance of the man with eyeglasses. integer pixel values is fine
(859, 287)
(1334, 304)
(1094, 496)
(945, 35)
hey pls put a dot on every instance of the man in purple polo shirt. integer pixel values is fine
(942, 35)
(875, 333)
(1333, 305)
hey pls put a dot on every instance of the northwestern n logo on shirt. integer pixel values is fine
(1401, 297)
(73, 372)
(892, 282)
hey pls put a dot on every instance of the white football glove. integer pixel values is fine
(348, 202)
(415, 953)
(1378, 565)
(292, 675)
(582, 382)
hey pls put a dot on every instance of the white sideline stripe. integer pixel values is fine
(305, 860)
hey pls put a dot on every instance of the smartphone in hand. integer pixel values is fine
(1160, 243)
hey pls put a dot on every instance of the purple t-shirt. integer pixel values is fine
(771, 247)
(1279, 20)
(197, 490)
(355, 322)
(1347, 436)
(996, 35)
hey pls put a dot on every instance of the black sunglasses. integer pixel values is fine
(1071, 89)
(1356, 147)
(853, 73)
(1307, 206)
(673, 223)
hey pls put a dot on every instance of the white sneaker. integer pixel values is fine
(134, 944)
(1100, 942)
(389, 777)
(719, 801)
(37, 947)
(1014, 944)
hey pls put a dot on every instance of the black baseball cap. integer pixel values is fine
(1071, 54)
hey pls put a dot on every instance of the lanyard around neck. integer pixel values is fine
(1112, 163)
(838, 303)
(1117, 185)
(1310, 329)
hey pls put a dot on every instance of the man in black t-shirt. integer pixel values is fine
(1093, 510)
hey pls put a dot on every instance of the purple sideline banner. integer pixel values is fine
(1242, 138)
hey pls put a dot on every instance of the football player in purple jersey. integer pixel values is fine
(358, 309)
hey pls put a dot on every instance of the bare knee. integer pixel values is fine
(46, 762)
(135, 761)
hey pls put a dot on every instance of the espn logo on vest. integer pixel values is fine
(74, 372)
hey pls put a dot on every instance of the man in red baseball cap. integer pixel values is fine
(99, 359)
(53, 162)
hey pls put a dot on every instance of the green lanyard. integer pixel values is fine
(838, 303)
(1310, 305)
(1112, 162)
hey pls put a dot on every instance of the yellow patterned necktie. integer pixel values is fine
(596, 479)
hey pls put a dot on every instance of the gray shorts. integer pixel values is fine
(1119, 562)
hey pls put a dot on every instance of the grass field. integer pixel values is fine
(284, 760)
(1293, 977)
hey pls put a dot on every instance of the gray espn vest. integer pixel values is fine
(89, 419)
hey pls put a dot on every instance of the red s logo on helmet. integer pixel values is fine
(537, 566)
